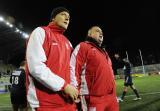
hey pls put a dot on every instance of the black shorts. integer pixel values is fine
(128, 81)
(19, 99)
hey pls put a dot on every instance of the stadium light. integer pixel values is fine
(25, 35)
(1, 19)
(17, 30)
(20, 32)
(9, 24)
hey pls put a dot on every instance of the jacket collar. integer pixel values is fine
(55, 28)
(95, 43)
(92, 40)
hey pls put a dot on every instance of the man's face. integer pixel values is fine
(62, 19)
(97, 34)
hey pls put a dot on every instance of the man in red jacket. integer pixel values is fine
(91, 72)
(48, 71)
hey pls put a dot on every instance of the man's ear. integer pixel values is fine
(89, 33)
(51, 20)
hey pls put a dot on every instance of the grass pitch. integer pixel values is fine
(147, 86)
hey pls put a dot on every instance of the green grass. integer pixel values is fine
(147, 84)
(5, 104)
(149, 102)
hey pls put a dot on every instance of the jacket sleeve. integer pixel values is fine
(36, 59)
(76, 64)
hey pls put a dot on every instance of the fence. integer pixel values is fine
(149, 69)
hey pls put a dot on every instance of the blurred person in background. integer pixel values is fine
(18, 89)
(127, 79)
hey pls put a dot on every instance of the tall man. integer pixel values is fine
(48, 59)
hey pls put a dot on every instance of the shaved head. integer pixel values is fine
(96, 33)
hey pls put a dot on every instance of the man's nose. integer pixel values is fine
(67, 18)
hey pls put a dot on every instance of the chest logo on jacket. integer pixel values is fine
(54, 43)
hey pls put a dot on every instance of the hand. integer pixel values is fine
(71, 91)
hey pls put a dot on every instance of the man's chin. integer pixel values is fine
(64, 27)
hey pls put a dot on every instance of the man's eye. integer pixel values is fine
(62, 14)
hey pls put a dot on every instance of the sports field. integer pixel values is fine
(148, 87)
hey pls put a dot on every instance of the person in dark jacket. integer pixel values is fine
(127, 79)
(18, 89)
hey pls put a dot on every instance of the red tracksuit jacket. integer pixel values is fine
(48, 58)
(93, 70)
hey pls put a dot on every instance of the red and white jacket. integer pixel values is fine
(91, 70)
(48, 58)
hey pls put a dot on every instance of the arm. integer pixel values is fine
(72, 67)
(10, 80)
(76, 64)
(36, 59)
(119, 61)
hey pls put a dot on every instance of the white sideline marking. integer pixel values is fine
(152, 93)
(5, 106)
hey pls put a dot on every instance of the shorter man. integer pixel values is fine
(18, 89)
(91, 72)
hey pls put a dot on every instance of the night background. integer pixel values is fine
(127, 26)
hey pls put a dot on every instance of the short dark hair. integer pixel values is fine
(56, 11)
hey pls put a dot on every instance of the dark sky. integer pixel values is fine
(127, 25)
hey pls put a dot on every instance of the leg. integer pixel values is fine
(132, 87)
(23, 107)
(15, 107)
(135, 90)
(15, 104)
(127, 78)
(124, 92)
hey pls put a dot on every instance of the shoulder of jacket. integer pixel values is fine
(85, 43)
(45, 28)
(86, 46)
(38, 29)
